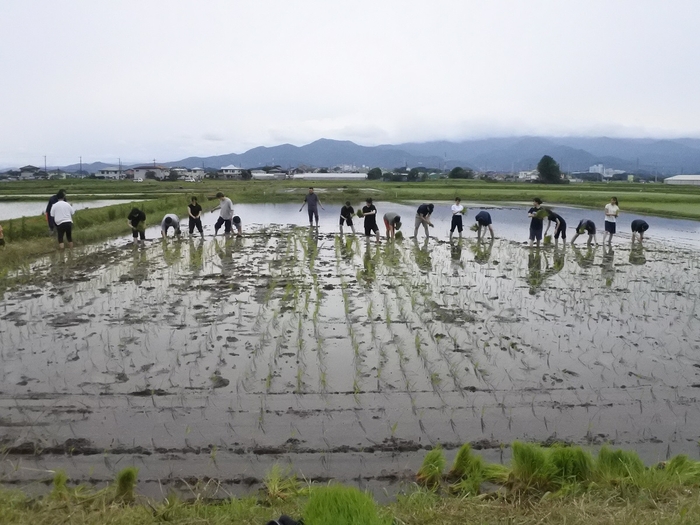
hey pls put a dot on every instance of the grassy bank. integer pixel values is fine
(541, 486)
(665, 200)
(28, 237)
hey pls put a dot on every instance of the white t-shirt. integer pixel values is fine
(174, 222)
(613, 209)
(226, 211)
(62, 212)
(457, 208)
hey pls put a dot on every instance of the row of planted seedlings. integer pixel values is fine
(537, 470)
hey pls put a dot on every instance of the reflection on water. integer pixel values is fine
(14, 210)
(608, 265)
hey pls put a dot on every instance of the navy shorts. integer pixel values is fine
(610, 227)
(343, 220)
(535, 235)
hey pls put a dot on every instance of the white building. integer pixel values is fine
(693, 180)
(110, 173)
(230, 171)
(160, 172)
(528, 175)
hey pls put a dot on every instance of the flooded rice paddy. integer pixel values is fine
(214, 358)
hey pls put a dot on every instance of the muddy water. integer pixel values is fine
(14, 210)
(347, 359)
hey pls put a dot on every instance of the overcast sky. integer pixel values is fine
(166, 79)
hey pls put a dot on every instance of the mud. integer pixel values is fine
(209, 360)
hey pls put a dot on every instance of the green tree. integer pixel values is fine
(374, 174)
(549, 171)
(150, 174)
(172, 175)
(461, 173)
(246, 175)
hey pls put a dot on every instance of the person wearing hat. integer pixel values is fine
(225, 214)
(423, 218)
(170, 221)
(392, 222)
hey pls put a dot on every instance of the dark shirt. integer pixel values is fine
(535, 223)
(53, 200)
(370, 219)
(136, 216)
(587, 225)
(554, 217)
(311, 201)
(195, 209)
(423, 210)
(347, 211)
(483, 217)
(638, 225)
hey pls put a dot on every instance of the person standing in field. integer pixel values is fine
(536, 221)
(423, 218)
(392, 222)
(225, 214)
(639, 226)
(53, 200)
(137, 222)
(559, 225)
(312, 202)
(170, 221)
(483, 221)
(194, 210)
(346, 213)
(612, 210)
(62, 215)
(369, 212)
(585, 226)
(457, 212)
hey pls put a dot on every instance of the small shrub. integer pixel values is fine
(339, 505)
(430, 472)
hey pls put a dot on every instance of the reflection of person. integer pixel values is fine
(535, 276)
(423, 218)
(608, 265)
(559, 225)
(637, 254)
(312, 202)
(170, 221)
(584, 260)
(639, 226)
(225, 214)
(612, 210)
(536, 222)
(62, 215)
(392, 222)
(483, 221)
(137, 222)
(369, 212)
(457, 212)
(53, 200)
(369, 272)
(422, 255)
(346, 213)
(586, 226)
(194, 210)
(196, 256)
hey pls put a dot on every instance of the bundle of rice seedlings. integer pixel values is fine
(125, 485)
(342, 505)
(474, 227)
(359, 213)
(541, 213)
(547, 239)
(398, 235)
(618, 464)
(467, 472)
(531, 468)
(464, 210)
(684, 470)
(571, 464)
(581, 231)
(430, 472)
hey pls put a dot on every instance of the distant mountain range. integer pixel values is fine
(511, 154)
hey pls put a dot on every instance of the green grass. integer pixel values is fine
(341, 505)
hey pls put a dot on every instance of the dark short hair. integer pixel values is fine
(431, 208)
(537, 200)
(347, 203)
(61, 194)
(219, 195)
(368, 200)
(193, 199)
(458, 199)
(168, 220)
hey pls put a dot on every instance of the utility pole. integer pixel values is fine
(81, 166)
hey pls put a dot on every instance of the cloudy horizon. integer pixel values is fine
(166, 80)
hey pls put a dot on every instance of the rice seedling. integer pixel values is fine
(342, 505)
(281, 484)
(430, 472)
(531, 468)
(125, 485)
(571, 464)
(614, 465)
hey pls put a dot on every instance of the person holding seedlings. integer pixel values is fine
(612, 210)
(53, 200)
(483, 221)
(559, 225)
(457, 212)
(586, 226)
(312, 202)
(346, 213)
(225, 214)
(137, 222)
(369, 213)
(423, 218)
(392, 222)
(194, 210)
(537, 215)
(639, 226)
(62, 215)
(170, 221)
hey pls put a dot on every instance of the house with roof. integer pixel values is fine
(28, 172)
(110, 173)
(152, 171)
